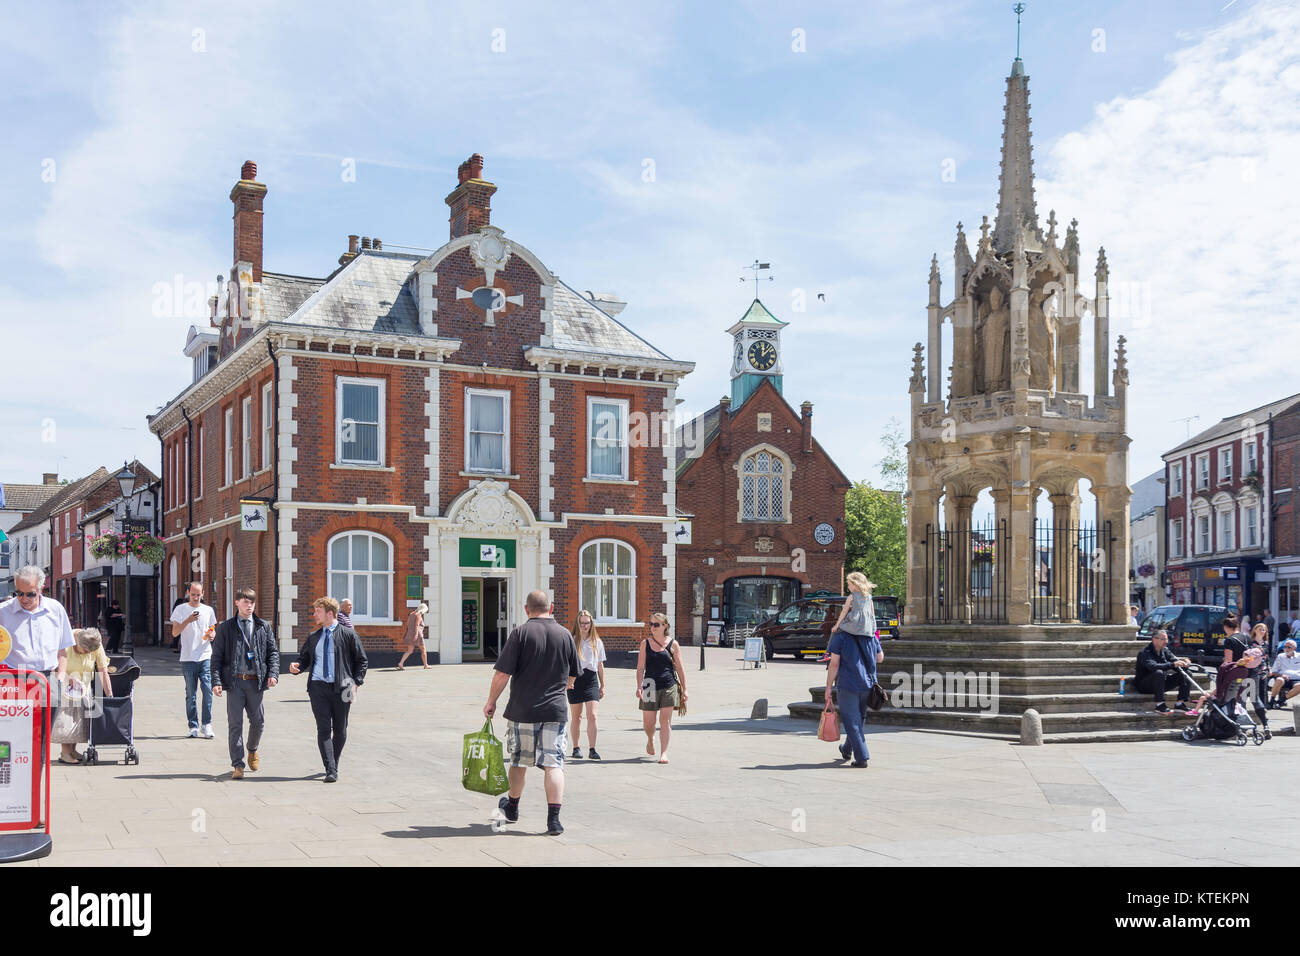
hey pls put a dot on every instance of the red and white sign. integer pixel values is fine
(24, 699)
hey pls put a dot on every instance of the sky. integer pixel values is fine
(651, 151)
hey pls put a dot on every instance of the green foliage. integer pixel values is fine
(875, 521)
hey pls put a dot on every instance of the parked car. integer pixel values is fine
(1195, 630)
(803, 627)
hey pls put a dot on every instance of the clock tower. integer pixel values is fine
(756, 352)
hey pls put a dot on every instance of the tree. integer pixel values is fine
(875, 521)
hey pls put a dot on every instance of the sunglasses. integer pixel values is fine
(656, 624)
(28, 594)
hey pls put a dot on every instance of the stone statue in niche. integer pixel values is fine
(993, 344)
(697, 589)
(1042, 340)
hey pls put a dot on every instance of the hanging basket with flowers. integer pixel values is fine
(112, 545)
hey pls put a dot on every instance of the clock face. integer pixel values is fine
(762, 355)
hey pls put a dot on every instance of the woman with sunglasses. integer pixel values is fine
(660, 683)
(590, 687)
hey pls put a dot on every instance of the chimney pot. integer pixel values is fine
(354, 243)
(365, 242)
(379, 244)
(249, 170)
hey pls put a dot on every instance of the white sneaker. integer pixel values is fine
(194, 732)
(207, 731)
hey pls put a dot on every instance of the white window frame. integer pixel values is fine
(1176, 479)
(199, 470)
(610, 580)
(171, 582)
(1201, 544)
(1227, 530)
(1249, 457)
(1225, 465)
(382, 385)
(350, 593)
(1202, 474)
(229, 467)
(267, 424)
(169, 476)
(1176, 538)
(246, 436)
(504, 394)
(1251, 525)
(625, 405)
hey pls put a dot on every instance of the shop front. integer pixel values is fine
(1230, 585)
(487, 569)
(1178, 586)
(750, 600)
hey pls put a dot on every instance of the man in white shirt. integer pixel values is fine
(193, 622)
(40, 635)
(1285, 675)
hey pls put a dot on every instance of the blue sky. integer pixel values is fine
(1173, 145)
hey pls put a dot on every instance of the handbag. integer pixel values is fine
(828, 728)
(68, 726)
(680, 708)
(875, 696)
(483, 764)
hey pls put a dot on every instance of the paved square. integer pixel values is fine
(738, 792)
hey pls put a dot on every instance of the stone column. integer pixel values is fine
(1001, 547)
(1021, 509)
(963, 349)
(923, 510)
(958, 575)
(1065, 553)
(1112, 506)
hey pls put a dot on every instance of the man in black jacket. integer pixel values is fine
(1158, 668)
(336, 664)
(246, 661)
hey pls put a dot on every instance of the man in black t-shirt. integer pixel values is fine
(540, 661)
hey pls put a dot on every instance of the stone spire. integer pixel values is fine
(1016, 189)
(918, 369)
(961, 258)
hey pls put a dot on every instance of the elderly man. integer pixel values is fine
(1285, 675)
(345, 612)
(40, 633)
(1158, 669)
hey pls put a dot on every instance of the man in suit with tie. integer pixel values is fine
(336, 662)
(245, 661)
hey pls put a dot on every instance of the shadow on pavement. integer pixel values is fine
(440, 833)
(820, 765)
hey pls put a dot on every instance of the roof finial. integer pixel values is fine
(1019, 8)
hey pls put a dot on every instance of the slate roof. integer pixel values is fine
(369, 294)
(1148, 494)
(580, 326)
(283, 294)
(67, 493)
(28, 497)
(1237, 423)
(708, 425)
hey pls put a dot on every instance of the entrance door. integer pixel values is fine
(495, 615)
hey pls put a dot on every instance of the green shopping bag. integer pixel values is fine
(483, 763)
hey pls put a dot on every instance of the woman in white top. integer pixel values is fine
(590, 687)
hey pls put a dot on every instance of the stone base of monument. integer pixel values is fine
(981, 680)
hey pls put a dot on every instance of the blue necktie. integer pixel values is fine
(328, 655)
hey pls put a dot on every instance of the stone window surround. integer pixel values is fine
(594, 542)
(626, 405)
(331, 570)
(505, 439)
(339, 382)
(787, 497)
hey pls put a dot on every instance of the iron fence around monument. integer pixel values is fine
(1070, 581)
(966, 573)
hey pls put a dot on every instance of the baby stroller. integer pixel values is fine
(1230, 721)
(112, 723)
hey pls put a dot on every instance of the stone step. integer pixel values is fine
(1009, 723)
(1019, 667)
(1049, 700)
(1011, 632)
(1012, 650)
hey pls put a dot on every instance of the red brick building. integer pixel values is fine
(457, 428)
(761, 503)
(1218, 493)
(1282, 438)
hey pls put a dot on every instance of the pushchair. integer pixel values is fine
(1230, 721)
(112, 721)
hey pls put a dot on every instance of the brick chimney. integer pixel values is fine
(50, 478)
(354, 246)
(247, 197)
(806, 413)
(471, 200)
(724, 424)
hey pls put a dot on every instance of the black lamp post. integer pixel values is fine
(126, 482)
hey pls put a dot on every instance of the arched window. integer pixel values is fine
(172, 593)
(228, 596)
(762, 487)
(607, 573)
(360, 567)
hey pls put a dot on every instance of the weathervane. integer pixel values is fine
(1019, 8)
(756, 268)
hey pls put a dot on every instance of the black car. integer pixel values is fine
(1195, 630)
(803, 627)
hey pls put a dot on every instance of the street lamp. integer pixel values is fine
(126, 482)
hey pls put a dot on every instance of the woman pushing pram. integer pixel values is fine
(1225, 713)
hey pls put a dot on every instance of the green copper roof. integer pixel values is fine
(758, 313)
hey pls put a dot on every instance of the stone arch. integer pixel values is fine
(491, 506)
